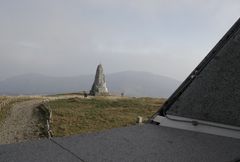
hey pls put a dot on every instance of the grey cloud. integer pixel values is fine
(70, 37)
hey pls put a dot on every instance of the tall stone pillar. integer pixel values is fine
(99, 86)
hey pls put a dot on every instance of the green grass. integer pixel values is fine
(76, 115)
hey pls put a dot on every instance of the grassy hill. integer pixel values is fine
(78, 115)
(71, 114)
(7, 102)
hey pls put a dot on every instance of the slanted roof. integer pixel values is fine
(212, 90)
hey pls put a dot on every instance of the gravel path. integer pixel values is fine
(21, 123)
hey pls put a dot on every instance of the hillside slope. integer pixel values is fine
(138, 84)
(132, 83)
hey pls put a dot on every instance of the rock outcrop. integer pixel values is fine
(99, 86)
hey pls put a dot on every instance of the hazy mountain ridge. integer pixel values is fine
(132, 83)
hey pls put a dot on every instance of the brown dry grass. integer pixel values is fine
(78, 115)
(10, 101)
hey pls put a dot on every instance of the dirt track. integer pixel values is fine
(20, 125)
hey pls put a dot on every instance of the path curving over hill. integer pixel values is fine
(21, 124)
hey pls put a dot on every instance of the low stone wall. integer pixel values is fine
(46, 112)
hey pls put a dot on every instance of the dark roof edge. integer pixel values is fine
(198, 69)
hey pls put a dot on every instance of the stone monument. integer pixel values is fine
(99, 86)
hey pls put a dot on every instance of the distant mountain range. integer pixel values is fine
(131, 83)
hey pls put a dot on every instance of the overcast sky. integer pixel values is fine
(70, 37)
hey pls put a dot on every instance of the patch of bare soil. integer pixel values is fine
(21, 124)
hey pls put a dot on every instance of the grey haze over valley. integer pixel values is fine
(64, 40)
(71, 37)
(131, 83)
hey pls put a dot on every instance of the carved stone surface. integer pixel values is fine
(99, 86)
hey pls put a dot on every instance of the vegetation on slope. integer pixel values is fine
(79, 115)
(6, 103)
(4, 109)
